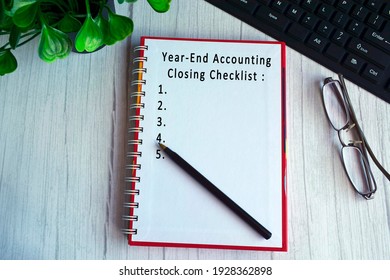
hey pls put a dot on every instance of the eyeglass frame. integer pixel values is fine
(365, 147)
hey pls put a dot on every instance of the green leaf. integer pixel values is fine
(21, 3)
(53, 44)
(6, 23)
(24, 12)
(5, 19)
(108, 39)
(120, 26)
(89, 37)
(8, 63)
(5, 7)
(160, 6)
(14, 36)
(69, 24)
(2, 12)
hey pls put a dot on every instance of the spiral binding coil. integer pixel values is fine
(132, 166)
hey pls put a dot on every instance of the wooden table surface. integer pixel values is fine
(62, 142)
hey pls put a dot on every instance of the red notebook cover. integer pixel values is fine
(221, 104)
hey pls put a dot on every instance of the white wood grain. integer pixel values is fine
(62, 143)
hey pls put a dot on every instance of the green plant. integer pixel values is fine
(93, 22)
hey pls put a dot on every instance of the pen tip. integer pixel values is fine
(162, 146)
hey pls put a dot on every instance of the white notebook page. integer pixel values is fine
(228, 125)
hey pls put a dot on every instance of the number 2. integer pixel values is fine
(160, 105)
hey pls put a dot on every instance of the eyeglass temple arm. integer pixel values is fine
(360, 131)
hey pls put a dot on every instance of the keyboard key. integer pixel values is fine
(340, 19)
(386, 11)
(317, 42)
(310, 5)
(298, 32)
(277, 20)
(335, 52)
(340, 37)
(360, 13)
(369, 52)
(295, 13)
(379, 39)
(325, 29)
(325, 11)
(374, 5)
(372, 73)
(310, 21)
(345, 5)
(354, 63)
(375, 21)
(280, 6)
(246, 5)
(355, 28)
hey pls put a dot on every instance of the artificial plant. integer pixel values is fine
(92, 21)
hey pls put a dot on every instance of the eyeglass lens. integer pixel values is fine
(335, 105)
(358, 171)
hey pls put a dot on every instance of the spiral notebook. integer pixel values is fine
(220, 104)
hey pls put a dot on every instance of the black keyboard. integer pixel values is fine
(351, 37)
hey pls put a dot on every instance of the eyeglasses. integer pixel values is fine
(355, 149)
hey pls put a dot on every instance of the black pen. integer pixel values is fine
(217, 192)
